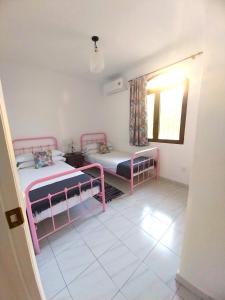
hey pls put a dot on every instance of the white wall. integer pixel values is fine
(175, 159)
(203, 257)
(42, 102)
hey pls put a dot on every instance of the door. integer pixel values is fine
(19, 276)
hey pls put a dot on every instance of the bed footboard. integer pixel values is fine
(49, 198)
(147, 168)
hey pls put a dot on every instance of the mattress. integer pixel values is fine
(110, 160)
(119, 162)
(42, 211)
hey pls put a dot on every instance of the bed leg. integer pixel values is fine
(132, 173)
(33, 231)
(132, 185)
(103, 188)
(157, 165)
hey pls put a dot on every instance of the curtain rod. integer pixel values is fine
(193, 56)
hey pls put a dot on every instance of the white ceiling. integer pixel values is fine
(56, 34)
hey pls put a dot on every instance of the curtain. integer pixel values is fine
(138, 128)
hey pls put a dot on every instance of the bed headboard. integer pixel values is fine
(25, 145)
(93, 137)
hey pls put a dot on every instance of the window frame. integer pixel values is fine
(156, 118)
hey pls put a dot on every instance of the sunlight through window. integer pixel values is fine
(170, 113)
(166, 80)
(166, 107)
(150, 112)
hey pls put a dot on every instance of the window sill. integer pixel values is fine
(180, 142)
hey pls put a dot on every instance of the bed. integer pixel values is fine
(54, 189)
(135, 168)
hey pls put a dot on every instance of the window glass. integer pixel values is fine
(150, 112)
(170, 113)
(166, 107)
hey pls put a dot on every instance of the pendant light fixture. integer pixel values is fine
(97, 59)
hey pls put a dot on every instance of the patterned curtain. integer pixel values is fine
(138, 112)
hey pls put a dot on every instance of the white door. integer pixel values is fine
(19, 277)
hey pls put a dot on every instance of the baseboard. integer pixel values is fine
(193, 289)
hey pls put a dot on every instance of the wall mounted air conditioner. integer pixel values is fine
(115, 86)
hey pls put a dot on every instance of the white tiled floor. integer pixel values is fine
(130, 252)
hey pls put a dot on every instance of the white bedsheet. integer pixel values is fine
(29, 175)
(109, 160)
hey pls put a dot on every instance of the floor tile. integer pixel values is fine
(119, 262)
(46, 253)
(88, 225)
(179, 222)
(64, 239)
(119, 225)
(135, 213)
(93, 284)
(51, 278)
(123, 202)
(163, 262)
(139, 242)
(145, 285)
(173, 240)
(119, 296)
(148, 224)
(162, 188)
(178, 200)
(171, 206)
(181, 194)
(99, 240)
(153, 226)
(173, 284)
(92, 204)
(44, 227)
(164, 216)
(63, 295)
(74, 260)
(107, 215)
(148, 202)
(176, 297)
(80, 212)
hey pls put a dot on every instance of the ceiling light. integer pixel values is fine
(97, 59)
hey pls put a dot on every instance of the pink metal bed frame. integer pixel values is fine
(141, 175)
(44, 143)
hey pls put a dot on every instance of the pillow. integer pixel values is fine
(57, 152)
(58, 158)
(91, 148)
(43, 159)
(103, 149)
(25, 164)
(28, 164)
(24, 157)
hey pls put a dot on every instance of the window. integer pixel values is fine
(166, 108)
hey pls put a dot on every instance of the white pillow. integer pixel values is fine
(58, 158)
(56, 152)
(24, 157)
(30, 163)
(29, 156)
(91, 148)
(25, 164)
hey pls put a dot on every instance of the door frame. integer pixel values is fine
(19, 275)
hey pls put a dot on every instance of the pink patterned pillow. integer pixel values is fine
(103, 149)
(43, 159)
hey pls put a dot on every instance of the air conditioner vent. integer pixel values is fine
(115, 86)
